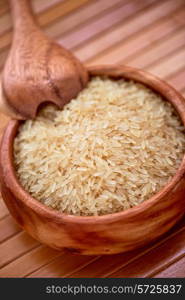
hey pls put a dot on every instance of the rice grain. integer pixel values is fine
(113, 147)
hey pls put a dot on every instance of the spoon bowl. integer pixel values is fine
(38, 69)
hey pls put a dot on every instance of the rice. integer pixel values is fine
(111, 148)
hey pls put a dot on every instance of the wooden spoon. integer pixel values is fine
(37, 69)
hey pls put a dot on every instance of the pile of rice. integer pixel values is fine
(111, 148)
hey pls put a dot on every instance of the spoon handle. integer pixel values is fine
(22, 15)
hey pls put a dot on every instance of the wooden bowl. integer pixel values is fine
(106, 234)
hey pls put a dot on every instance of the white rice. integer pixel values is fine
(111, 148)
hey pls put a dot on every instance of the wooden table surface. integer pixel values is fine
(149, 34)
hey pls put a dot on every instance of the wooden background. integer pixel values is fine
(149, 34)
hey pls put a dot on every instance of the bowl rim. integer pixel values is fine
(8, 173)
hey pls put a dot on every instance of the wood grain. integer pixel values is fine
(103, 265)
(176, 59)
(139, 43)
(122, 41)
(38, 6)
(128, 27)
(155, 54)
(107, 265)
(175, 270)
(49, 15)
(177, 79)
(138, 13)
(81, 35)
(15, 247)
(64, 266)
(29, 262)
(82, 16)
(78, 24)
(163, 256)
(3, 209)
(8, 228)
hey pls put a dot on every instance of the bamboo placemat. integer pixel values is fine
(149, 34)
